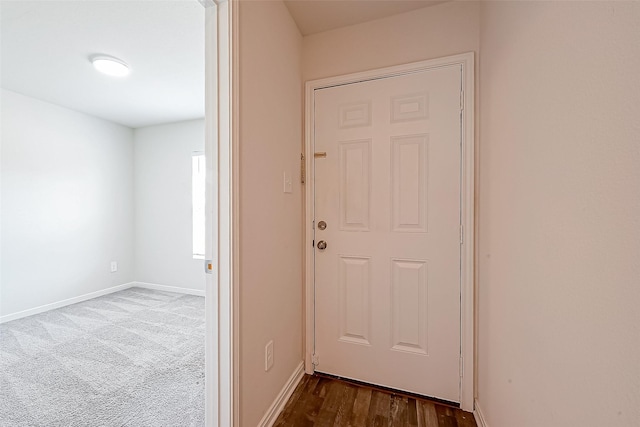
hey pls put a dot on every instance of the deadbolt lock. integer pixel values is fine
(322, 225)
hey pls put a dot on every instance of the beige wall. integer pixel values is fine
(432, 32)
(558, 196)
(559, 329)
(270, 220)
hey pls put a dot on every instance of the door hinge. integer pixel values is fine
(461, 234)
(315, 360)
(461, 367)
(302, 168)
(461, 100)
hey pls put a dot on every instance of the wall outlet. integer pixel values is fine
(268, 355)
(114, 266)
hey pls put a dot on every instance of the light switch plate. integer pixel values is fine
(288, 183)
(268, 355)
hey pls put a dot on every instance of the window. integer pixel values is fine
(198, 180)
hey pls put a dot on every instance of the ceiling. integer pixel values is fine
(46, 45)
(315, 16)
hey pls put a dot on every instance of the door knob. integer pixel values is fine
(322, 245)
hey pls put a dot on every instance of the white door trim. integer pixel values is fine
(221, 147)
(467, 320)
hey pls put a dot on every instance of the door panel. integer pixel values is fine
(409, 165)
(355, 309)
(355, 185)
(388, 283)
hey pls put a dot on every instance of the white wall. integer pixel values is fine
(67, 203)
(163, 233)
(559, 257)
(270, 220)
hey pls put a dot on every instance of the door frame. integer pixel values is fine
(467, 197)
(221, 149)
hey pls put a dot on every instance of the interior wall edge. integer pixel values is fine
(168, 288)
(478, 415)
(63, 303)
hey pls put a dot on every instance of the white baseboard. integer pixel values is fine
(63, 303)
(166, 288)
(74, 300)
(278, 405)
(477, 414)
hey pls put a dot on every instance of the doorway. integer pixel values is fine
(220, 182)
(389, 278)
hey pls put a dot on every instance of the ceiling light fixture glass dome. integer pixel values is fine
(110, 66)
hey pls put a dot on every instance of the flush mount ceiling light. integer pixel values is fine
(110, 66)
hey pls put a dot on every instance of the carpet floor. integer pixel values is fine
(131, 358)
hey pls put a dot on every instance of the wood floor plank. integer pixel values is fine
(412, 413)
(379, 409)
(393, 410)
(347, 399)
(380, 421)
(446, 418)
(465, 419)
(324, 402)
(404, 408)
(398, 411)
(430, 415)
(360, 407)
(312, 384)
(293, 413)
(293, 403)
(312, 409)
(420, 415)
(316, 391)
(322, 387)
(329, 409)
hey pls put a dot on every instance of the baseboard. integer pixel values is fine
(63, 303)
(477, 414)
(81, 298)
(276, 407)
(166, 288)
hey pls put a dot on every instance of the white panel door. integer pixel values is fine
(388, 282)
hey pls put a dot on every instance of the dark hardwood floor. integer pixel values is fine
(320, 401)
